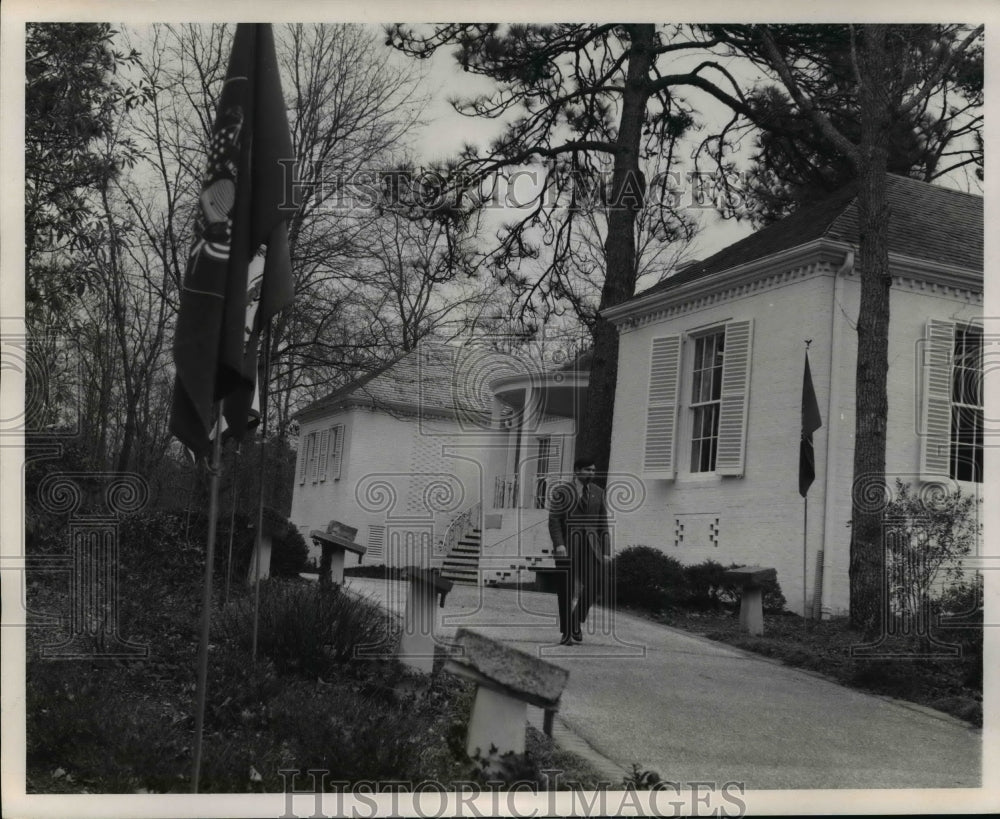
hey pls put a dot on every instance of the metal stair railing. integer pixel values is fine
(471, 518)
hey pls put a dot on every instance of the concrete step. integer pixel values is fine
(464, 565)
(463, 581)
(457, 577)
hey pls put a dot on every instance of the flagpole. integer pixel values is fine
(805, 529)
(206, 603)
(232, 521)
(808, 400)
(262, 382)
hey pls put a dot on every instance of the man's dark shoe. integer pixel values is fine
(578, 636)
(566, 640)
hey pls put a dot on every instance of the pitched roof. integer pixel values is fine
(427, 379)
(928, 222)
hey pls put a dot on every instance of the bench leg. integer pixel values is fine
(752, 611)
(497, 720)
(547, 723)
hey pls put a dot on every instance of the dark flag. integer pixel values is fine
(246, 198)
(810, 423)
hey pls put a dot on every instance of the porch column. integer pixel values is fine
(526, 466)
(496, 455)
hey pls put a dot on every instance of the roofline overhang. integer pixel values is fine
(393, 407)
(822, 249)
(578, 379)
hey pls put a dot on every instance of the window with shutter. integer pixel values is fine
(661, 408)
(733, 404)
(337, 451)
(549, 466)
(966, 463)
(952, 411)
(706, 398)
(324, 452)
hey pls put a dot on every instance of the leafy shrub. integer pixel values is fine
(926, 538)
(705, 587)
(960, 622)
(647, 578)
(289, 554)
(304, 627)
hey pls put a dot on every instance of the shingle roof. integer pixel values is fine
(432, 378)
(927, 222)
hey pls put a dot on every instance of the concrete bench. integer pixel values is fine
(508, 681)
(751, 580)
(416, 644)
(336, 541)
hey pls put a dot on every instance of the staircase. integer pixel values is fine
(462, 563)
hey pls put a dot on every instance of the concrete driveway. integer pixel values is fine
(694, 710)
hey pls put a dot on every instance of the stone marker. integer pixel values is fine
(751, 580)
(336, 541)
(275, 528)
(508, 681)
(416, 645)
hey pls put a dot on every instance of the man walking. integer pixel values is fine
(578, 526)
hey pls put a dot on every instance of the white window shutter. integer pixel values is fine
(324, 452)
(935, 421)
(661, 408)
(303, 457)
(337, 455)
(376, 540)
(555, 455)
(313, 460)
(730, 457)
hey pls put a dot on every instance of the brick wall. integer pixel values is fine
(759, 518)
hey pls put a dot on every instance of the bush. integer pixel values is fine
(306, 628)
(926, 536)
(960, 622)
(290, 554)
(705, 587)
(647, 578)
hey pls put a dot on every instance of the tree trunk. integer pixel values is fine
(869, 492)
(627, 194)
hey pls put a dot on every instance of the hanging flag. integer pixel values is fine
(247, 195)
(810, 423)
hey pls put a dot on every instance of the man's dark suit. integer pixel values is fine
(578, 521)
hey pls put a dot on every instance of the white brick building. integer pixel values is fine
(396, 455)
(707, 410)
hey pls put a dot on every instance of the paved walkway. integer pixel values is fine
(694, 710)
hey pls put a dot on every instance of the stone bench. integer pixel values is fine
(751, 580)
(416, 644)
(336, 541)
(508, 681)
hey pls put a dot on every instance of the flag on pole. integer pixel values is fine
(247, 195)
(810, 423)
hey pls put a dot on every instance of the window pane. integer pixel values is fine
(696, 387)
(967, 406)
(706, 390)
